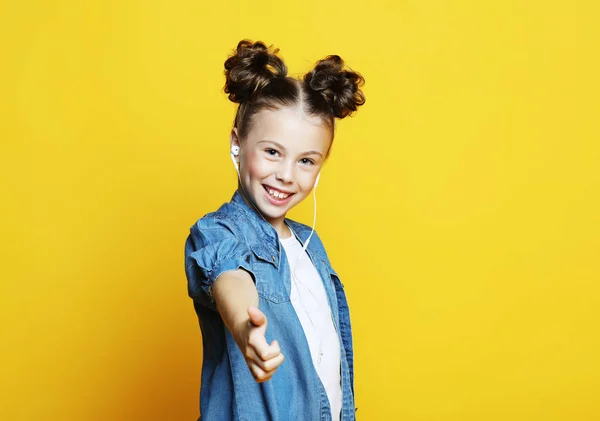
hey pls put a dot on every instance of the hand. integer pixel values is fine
(262, 358)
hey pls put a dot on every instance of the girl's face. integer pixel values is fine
(280, 160)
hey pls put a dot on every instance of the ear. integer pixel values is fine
(234, 139)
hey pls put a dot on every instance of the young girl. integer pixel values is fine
(274, 317)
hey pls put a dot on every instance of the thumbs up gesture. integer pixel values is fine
(262, 358)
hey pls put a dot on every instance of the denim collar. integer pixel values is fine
(265, 230)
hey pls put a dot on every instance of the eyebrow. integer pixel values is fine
(282, 147)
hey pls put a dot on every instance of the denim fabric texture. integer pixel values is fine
(236, 236)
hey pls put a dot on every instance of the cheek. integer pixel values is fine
(306, 182)
(256, 167)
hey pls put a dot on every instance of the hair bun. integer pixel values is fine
(250, 68)
(338, 87)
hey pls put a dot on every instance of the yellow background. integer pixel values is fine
(460, 206)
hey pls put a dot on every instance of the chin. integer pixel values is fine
(272, 212)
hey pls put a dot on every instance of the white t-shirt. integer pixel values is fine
(309, 299)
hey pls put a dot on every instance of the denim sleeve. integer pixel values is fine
(211, 249)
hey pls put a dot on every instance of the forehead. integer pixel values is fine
(292, 128)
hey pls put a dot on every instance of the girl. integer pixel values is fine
(274, 317)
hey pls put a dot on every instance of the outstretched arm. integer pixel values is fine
(237, 302)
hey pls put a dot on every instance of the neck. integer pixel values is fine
(282, 229)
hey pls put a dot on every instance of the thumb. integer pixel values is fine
(257, 317)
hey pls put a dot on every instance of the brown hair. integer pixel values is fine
(256, 79)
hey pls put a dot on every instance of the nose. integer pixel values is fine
(285, 172)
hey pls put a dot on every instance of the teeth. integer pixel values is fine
(277, 194)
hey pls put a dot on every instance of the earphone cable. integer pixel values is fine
(293, 276)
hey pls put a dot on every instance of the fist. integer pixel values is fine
(262, 358)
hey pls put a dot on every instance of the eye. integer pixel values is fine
(307, 161)
(271, 152)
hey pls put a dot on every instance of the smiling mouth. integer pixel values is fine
(276, 194)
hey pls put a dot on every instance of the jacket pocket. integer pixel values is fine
(269, 282)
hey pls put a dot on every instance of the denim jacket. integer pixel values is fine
(236, 236)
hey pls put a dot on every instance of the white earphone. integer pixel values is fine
(235, 151)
